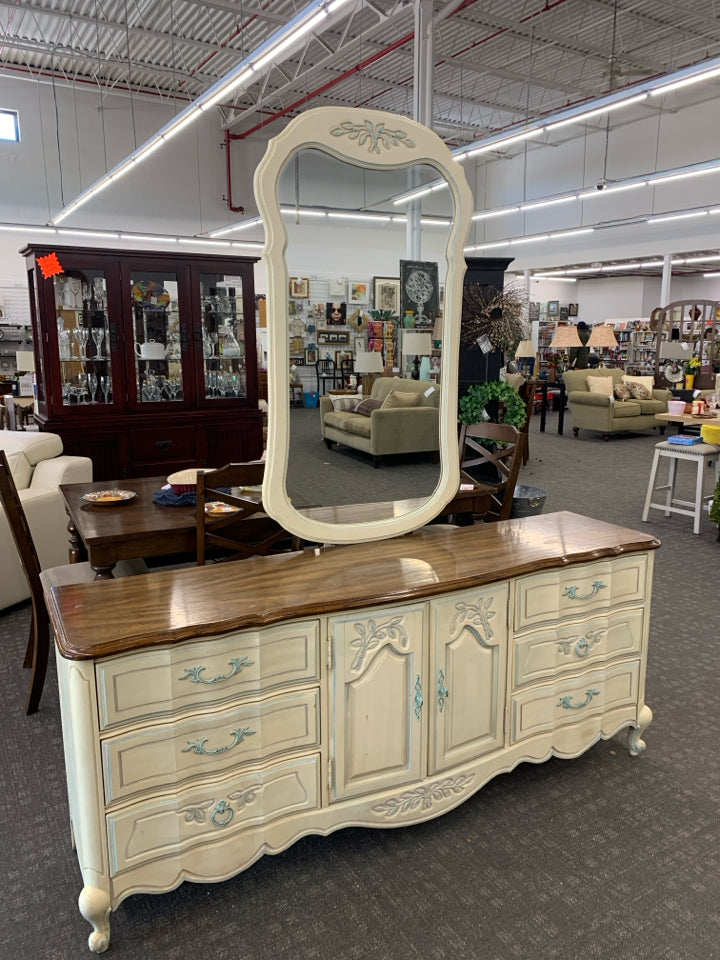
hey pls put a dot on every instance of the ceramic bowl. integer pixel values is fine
(676, 407)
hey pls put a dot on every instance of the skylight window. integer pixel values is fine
(9, 125)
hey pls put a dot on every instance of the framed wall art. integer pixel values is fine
(386, 293)
(335, 312)
(311, 355)
(419, 289)
(553, 309)
(357, 291)
(300, 287)
(337, 288)
(572, 309)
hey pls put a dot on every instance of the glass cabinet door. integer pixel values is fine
(156, 337)
(223, 336)
(83, 337)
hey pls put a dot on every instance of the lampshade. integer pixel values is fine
(25, 361)
(417, 344)
(602, 335)
(526, 348)
(368, 361)
(566, 336)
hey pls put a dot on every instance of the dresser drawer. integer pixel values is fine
(164, 443)
(170, 753)
(172, 679)
(572, 645)
(579, 590)
(572, 700)
(169, 826)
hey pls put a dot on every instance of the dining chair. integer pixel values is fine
(490, 459)
(36, 654)
(347, 369)
(243, 529)
(326, 372)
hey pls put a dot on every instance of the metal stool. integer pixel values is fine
(701, 454)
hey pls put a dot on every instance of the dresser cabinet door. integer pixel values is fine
(378, 693)
(469, 639)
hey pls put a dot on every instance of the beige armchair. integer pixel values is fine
(596, 411)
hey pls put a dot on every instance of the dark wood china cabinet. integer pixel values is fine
(146, 362)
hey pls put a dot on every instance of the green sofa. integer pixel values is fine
(399, 430)
(593, 411)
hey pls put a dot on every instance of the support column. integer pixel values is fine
(422, 111)
(666, 278)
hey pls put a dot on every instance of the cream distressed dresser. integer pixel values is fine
(211, 715)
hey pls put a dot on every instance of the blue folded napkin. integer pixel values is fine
(168, 498)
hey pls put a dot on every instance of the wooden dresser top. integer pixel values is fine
(115, 616)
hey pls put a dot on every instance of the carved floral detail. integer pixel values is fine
(477, 615)
(425, 795)
(375, 134)
(372, 635)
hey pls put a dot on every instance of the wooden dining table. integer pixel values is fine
(106, 534)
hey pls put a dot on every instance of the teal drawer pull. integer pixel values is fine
(572, 592)
(418, 698)
(443, 692)
(198, 746)
(564, 702)
(236, 664)
(223, 809)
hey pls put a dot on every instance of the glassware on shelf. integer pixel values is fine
(208, 346)
(230, 346)
(81, 339)
(92, 382)
(172, 348)
(106, 387)
(98, 335)
(63, 340)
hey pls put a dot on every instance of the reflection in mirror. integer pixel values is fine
(325, 467)
(332, 191)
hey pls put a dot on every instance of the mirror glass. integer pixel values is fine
(343, 242)
(329, 204)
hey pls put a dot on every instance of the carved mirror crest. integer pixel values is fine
(389, 155)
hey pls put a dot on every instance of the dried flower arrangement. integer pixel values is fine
(498, 315)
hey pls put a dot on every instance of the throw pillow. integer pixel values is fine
(621, 391)
(366, 407)
(640, 391)
(397, 399)
(341, 404)
(603, 385)
(648, 382)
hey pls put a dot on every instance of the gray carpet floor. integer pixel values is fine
(605, 856)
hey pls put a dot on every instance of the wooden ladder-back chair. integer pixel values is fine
(326, 373)
(502, 450)
(244, 530)
(36, 655)
(527, 392)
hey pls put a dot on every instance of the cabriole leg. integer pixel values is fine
(95, 907)
(636, 744)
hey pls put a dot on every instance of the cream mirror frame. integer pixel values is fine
(373, 140)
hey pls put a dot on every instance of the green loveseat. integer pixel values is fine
(413, 429)
(593, 411)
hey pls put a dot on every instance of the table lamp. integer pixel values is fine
(25, 361)
(566, 337)
(368, 363)
(417, 345)
(526, 351)
(602, 337)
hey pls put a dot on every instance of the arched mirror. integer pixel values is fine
(326, 165)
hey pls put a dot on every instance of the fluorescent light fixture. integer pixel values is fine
(714, 256)
(685, 176)
(678, 216)
(582, 117)
(503, 142)
(572, 233)
(147, 238)
(398, 219)
(685, 81)
(88, 233)
(489, 246)
(373, 217)
(10, 228)
(437, 222)
(711, 275)
(620, 266)
(495, 213)
(212, 243)
(291, 211)
(540, 236)
(537, 204)
(225, 91)
(236, 227)
(588, 194)
(551, 276)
